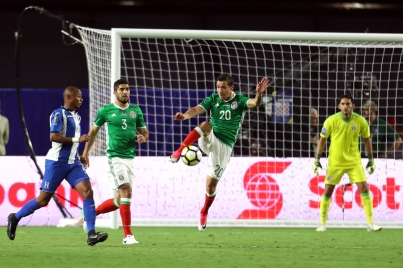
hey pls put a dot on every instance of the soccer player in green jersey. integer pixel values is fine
(344, 128)
(124, 120)
(217, 137)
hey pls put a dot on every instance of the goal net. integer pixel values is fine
(268, 181)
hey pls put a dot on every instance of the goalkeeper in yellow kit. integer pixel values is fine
(344, 128)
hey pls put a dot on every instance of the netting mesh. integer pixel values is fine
(307, 78)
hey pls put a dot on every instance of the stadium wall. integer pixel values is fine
(251, 189)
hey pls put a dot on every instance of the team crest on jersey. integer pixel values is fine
(234, 105)
(132, 114)
(55, 119)
(121, 177)
(354, 127)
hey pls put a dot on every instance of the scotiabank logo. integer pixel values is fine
(389, 189)
(28, 191)
(263, 191)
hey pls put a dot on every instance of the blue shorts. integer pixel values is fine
(56, 172)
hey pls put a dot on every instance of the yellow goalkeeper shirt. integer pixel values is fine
(344, 139)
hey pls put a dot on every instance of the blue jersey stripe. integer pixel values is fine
(67, 124)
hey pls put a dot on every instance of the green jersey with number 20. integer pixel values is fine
(122, 126)
(226, 116)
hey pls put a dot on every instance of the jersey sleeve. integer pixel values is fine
(207, 103)
(101, 117)
(365, 133)
(56, 121)
(140, 120)
(243, 101)
(326, 129)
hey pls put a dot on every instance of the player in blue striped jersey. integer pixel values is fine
(62, 163)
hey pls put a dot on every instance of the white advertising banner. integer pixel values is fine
(250, 189)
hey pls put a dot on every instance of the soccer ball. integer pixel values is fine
(191, 155)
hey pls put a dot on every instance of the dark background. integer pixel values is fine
(47, 63)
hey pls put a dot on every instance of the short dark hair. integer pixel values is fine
(121, 81)
(346, 96)
(69, 90)
(226, 77)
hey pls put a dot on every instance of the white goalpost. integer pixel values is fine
(269, 181)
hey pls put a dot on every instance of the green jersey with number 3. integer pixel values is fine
(226, 116)
(122, 126)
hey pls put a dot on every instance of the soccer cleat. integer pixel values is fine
(374, 228)
(201, 227)
(129, 239)
(174, 158)
(203, 222)
(321, 228)
(85, 227)
(12, 226)
(96, 238)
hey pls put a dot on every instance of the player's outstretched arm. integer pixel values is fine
(260, 89)
(192, 112)
(92, 135)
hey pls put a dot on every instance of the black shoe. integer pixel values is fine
(12, 226)
(96, 238)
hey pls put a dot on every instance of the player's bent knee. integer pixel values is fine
(84, 189)
(87, 193)
(206, 127)
(363, 187)
(125, 190)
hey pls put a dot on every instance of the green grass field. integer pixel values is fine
(216, 247)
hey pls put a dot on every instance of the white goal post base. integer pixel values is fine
(101, 223)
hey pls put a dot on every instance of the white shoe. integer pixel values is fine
(374, 228)
(130, 240)
(321, 228)
(201, 228)
(85, 227)
(173, 159)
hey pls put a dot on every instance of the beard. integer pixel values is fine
(124, 101)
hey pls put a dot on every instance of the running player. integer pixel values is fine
(124, 120)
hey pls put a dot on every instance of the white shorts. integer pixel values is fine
(218, 154)
(122, 171)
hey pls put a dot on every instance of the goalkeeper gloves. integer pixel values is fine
(316, 165)
(370, 166)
